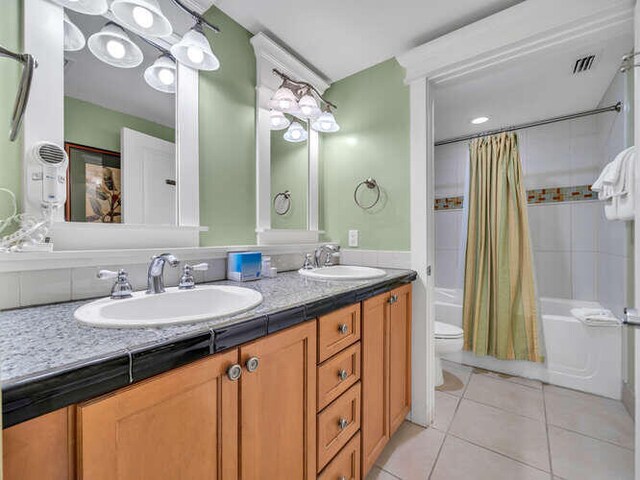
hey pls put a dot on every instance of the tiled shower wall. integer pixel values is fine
(577, 253)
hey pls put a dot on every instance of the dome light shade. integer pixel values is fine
(278, 121)
(88, 7)
(284, 100)
(308, 106)
(194, 51)
(296, 133)
(142, 16)
(113, 46)
(162, 75)
(73, 37)
(326, 122)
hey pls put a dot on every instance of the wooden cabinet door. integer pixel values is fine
(40, 449)
(180, 425)
(278, 406)
(399, 356)
(375, 385)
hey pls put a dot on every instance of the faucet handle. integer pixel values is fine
(308, 262)
(186, 280)
(122, 287)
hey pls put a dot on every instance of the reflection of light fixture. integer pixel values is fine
(88, 7)
(278, 121)
(308, 106)
(295, 133)
(142, 16)
(162, 75)
(194, 50)
(113, 46)
(326, 123)
(73, 36)
(479, 120)
(284, 100)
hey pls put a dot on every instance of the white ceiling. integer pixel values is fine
(538, 86)
(341, 37)
(121, 89)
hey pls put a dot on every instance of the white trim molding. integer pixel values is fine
(270, 55)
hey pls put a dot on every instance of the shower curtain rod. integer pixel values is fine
(612, 108)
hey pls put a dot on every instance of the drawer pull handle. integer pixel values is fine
(393, 299)
(343, 328)
(234, 372)
(252, 364)
(343, 423)
(342, 477)
(343, 375)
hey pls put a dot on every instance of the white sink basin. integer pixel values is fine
(170, 308)
(343, 272)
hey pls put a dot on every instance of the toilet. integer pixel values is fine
(449, 339)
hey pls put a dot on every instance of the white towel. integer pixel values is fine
(614, 179)
(625, 208)
(596, 317)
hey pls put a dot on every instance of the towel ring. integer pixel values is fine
(370, 183)
(282, 202)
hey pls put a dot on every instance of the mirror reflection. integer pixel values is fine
(119, 132)
(289, 175)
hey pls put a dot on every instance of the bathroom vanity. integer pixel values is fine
(310, 384)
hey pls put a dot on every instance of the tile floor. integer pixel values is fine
(490, 426)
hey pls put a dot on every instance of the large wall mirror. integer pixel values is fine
(127, 116)
(287, 153)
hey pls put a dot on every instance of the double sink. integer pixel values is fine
(191, 304)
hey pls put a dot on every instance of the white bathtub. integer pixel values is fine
(576, 356)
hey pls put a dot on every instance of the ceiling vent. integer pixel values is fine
(584, 64)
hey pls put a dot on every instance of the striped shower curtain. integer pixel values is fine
(500, 316)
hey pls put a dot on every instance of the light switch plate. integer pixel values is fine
(353, 238)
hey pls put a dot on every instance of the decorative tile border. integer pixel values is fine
(535, 196)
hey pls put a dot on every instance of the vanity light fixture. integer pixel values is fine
(284, 100)
(142, 16)
(73, 37)
(325, 123)
(194, 51)
(113, 46)
(88, 7)
(480, 120)
(278, 121)
(296, 133)
(308, 107)
(162, 74)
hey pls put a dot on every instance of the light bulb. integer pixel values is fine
(296, 134)
(325, 125)
(143, 17)
(166, 76)
(284, 104)
(116, 49)
(195, 54)
(306, 110)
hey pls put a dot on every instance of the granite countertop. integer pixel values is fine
(45, 343)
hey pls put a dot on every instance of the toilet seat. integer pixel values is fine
(447, 331)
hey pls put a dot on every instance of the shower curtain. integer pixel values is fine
(499, 314)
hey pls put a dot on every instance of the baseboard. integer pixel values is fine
(629, 399)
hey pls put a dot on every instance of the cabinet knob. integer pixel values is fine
(342, 477)
(234, 372)
(343, 423)
(252, 364)
(393, 299)
(343, 375)
(343, 328)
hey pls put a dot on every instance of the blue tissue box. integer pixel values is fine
(244, 266)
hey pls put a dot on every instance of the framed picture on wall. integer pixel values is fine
(94, 185)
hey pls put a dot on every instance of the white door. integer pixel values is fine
(148, 179)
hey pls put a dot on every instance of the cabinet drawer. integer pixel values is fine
(337, 424)
(346, 464)
(338, 330)
(337, 374)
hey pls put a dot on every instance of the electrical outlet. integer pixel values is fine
(353, 238)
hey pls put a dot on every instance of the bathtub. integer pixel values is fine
(576, 356)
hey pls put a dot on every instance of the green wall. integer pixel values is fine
(94, 126)
(289, 171)
(373, 113)
(10, 152)
(227, 138)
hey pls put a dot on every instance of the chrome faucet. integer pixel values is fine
(329, 251)
(155, 280)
